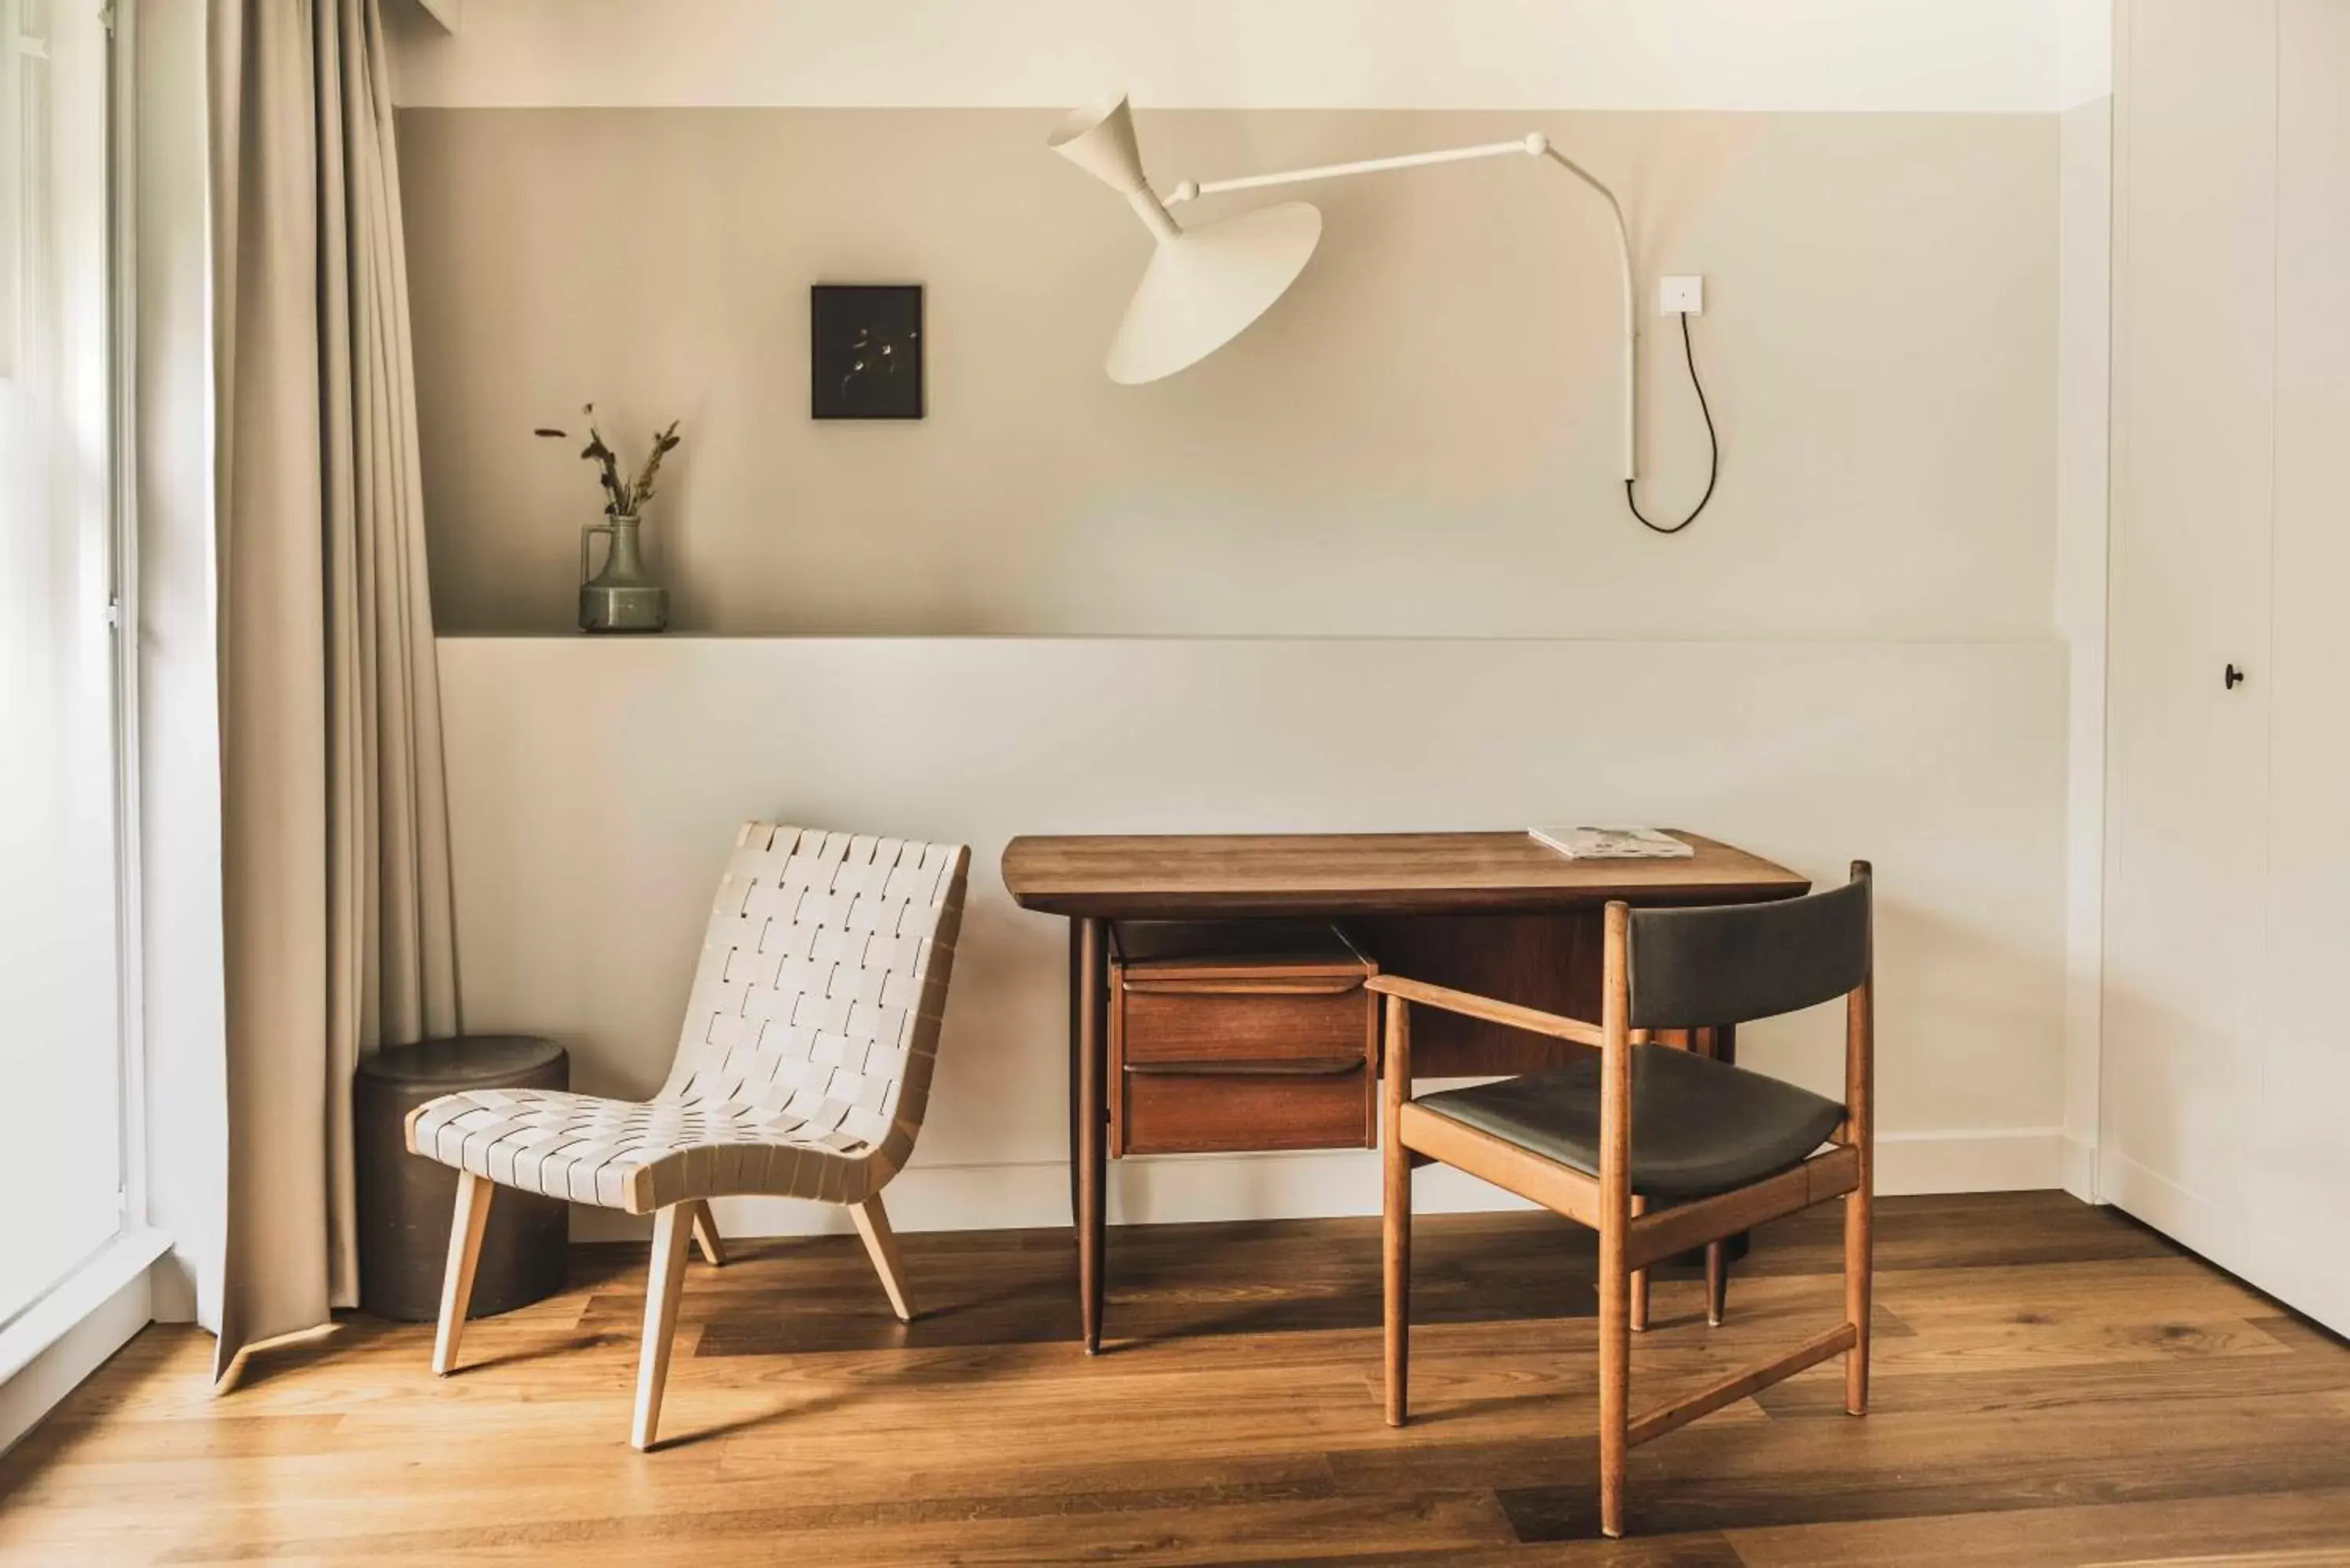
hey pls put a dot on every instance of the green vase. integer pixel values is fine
(620, 597)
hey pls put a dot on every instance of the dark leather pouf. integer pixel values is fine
(406, 1201)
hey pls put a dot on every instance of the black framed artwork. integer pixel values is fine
(864, 357)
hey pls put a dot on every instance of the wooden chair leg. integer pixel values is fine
(1614, 1381)
(1395, 1209)
(882, 1246)
(1716, 1282)
(1858, 1263)
(705, 1234)
(1860, 1113)
(1394, 1261)
(465, 1229)
(1639, 1281)
(672, 1230)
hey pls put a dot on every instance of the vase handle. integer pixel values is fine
(586, 533)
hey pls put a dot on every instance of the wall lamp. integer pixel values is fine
(1204, 284)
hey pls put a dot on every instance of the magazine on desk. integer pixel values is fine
(1613, 842)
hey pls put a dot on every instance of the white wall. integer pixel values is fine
(595, 785)
(184, 1019)
(1931, 55)
(2084, 51)
(2083, 457)
(2084, 417)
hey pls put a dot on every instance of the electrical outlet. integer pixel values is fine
(1681, 297)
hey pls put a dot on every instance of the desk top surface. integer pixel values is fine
(1203, 876)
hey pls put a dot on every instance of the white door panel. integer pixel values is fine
(2227, 1057)
(2302, 1202)
(2195, 377)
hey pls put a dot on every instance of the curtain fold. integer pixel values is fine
(338, 906)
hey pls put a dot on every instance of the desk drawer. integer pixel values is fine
(1168, 1109)
(1229, 1039)
(1304, 1018)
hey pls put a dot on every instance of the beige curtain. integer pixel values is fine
(340, 935)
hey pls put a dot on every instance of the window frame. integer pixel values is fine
(79, 1319)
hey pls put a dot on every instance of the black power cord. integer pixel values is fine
(1712, 441)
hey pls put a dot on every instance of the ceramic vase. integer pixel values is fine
(619, 598)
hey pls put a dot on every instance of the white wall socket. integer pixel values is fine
(1681, 297)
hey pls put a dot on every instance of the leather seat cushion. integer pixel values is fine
(1698, 1127)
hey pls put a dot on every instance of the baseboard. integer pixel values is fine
(74, 1330)
(2004, 1159)
(2299, 1273)
(2164, 1205)
(2080, 1157)
(173, 1279)
(1317, 1184)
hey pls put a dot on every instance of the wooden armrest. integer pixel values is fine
(1509, 1015)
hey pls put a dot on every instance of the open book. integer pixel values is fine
(1613, 842)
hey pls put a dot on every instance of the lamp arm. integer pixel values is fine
(1534, 144)
(1631, 309)
(1189, 189)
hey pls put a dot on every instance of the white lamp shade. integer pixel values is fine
(1203, 287)
(1098, 138)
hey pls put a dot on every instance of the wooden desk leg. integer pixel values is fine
(1640, 1276)
(1089, 1046)
(1077, 1011)
(1721, 1044)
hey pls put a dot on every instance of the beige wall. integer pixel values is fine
(1418, 439)
(595, 785)
(1854, 653)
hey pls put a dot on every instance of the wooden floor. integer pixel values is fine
(2055, 1386)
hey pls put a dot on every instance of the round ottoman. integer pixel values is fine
(406, 1201)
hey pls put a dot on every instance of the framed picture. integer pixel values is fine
(865, 350)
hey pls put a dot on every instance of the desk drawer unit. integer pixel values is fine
(1234, 1038)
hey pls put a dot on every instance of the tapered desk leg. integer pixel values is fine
(1076, 1028)
(1089, 1046)
(1725, 1049)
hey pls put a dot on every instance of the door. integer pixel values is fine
(2194, 387)
(2227, 1057)
(2302, 1204)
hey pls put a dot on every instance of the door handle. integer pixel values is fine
(2235, 678)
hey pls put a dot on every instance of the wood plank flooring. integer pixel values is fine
(2055, 1386)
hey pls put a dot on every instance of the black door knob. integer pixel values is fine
(2235, 678)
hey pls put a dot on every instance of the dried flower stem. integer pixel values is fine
(621, 498)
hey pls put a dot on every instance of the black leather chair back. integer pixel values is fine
(1693, 968)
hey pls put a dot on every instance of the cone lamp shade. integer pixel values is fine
(1203, 286)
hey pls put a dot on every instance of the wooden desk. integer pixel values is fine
(1495, 913)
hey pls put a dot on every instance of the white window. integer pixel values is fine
(61, 999)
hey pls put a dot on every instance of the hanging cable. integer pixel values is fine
(1712, 441)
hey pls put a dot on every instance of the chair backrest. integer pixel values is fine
(1694, 968)
(822, 982)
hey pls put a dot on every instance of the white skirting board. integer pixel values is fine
(1185, 1189)
(595, 785)
(2080, 1157)
(46, 1352)
(2278, 1261)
